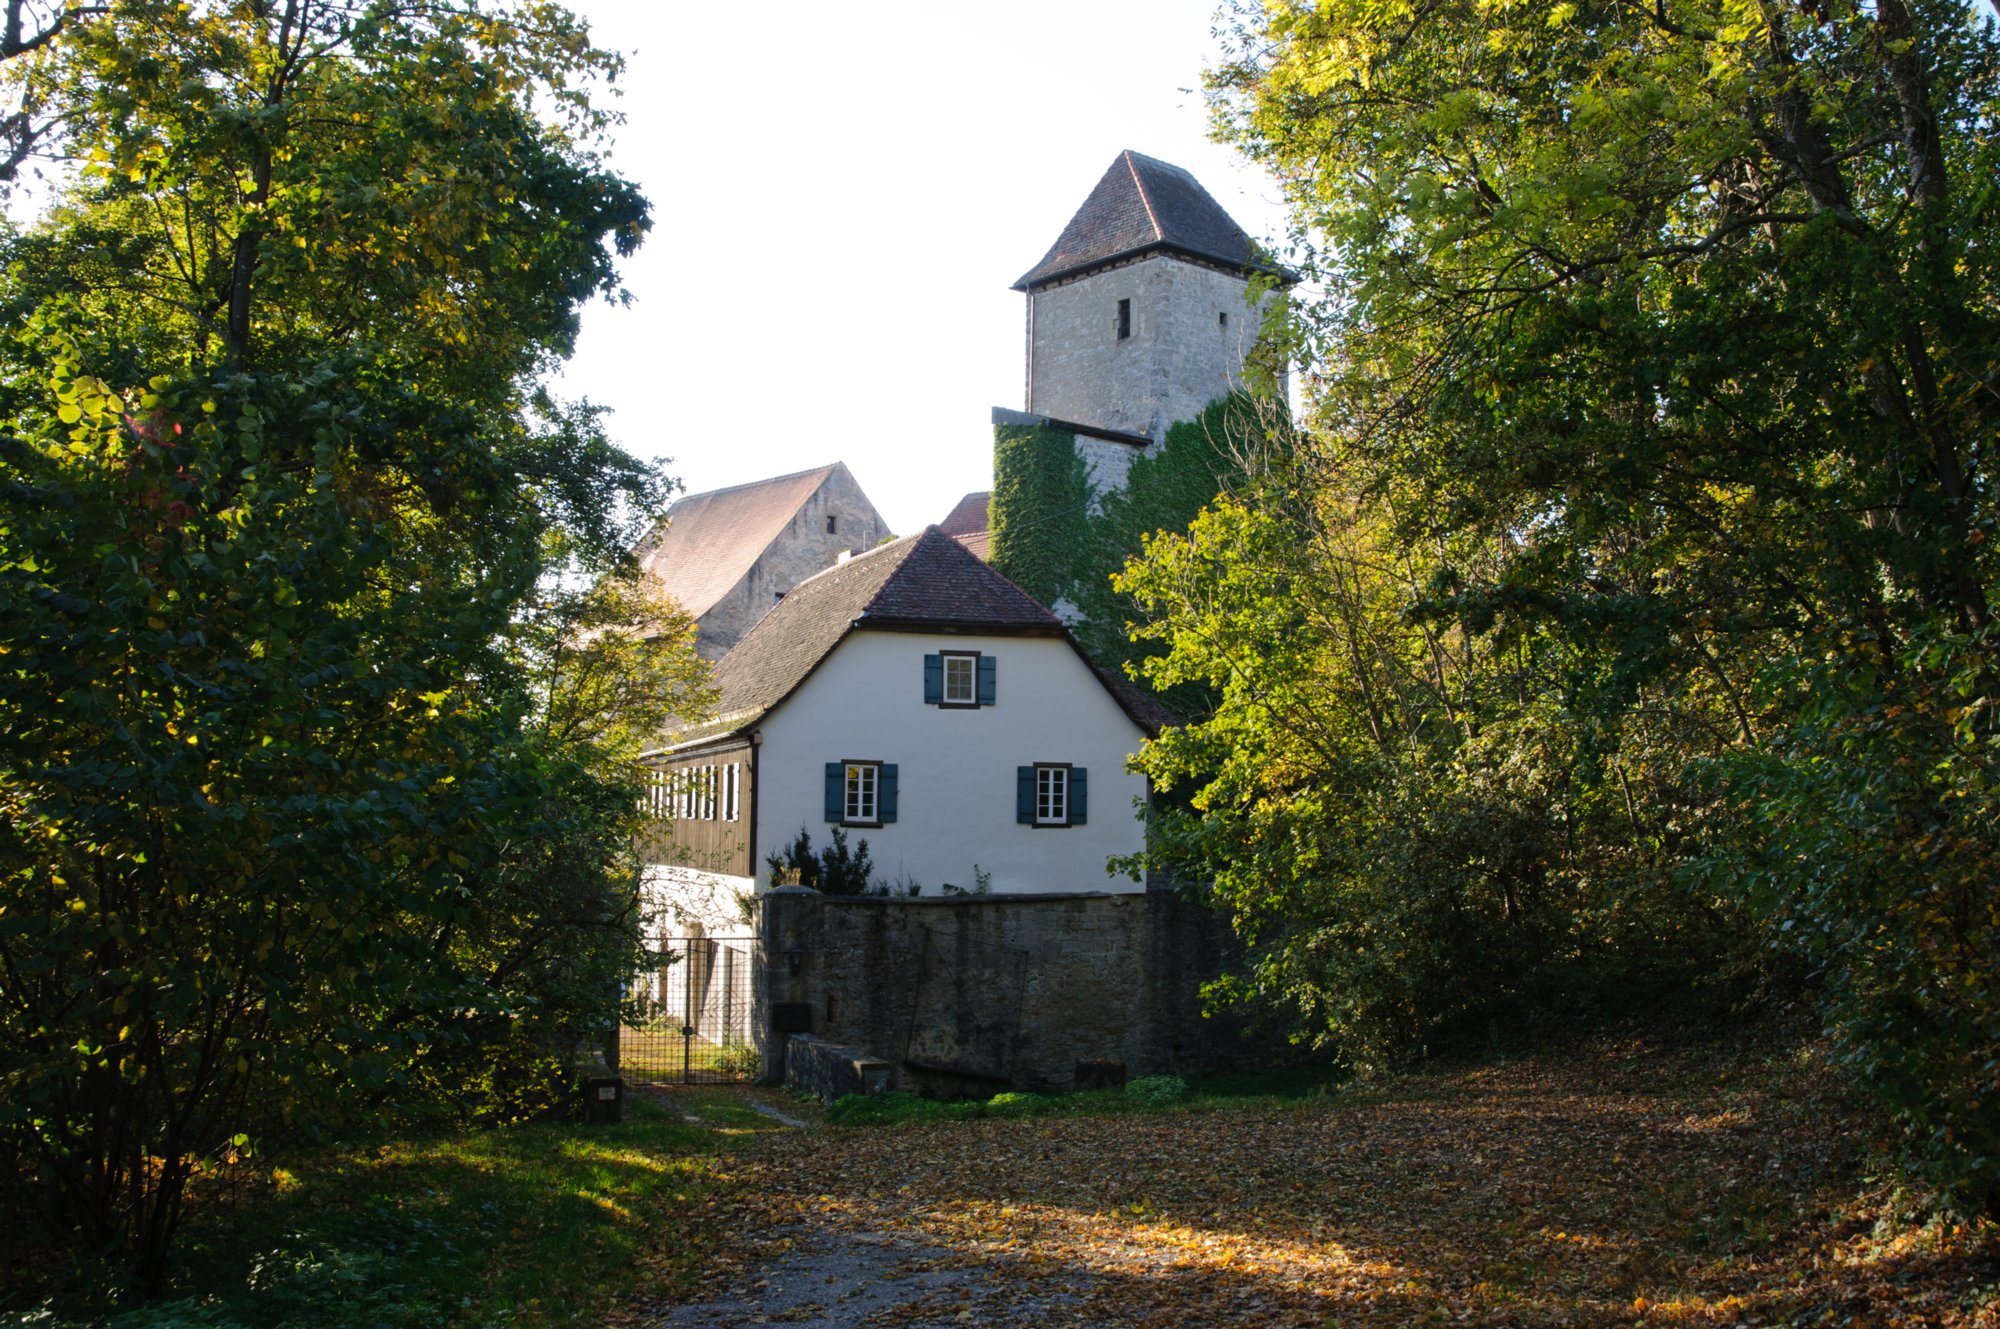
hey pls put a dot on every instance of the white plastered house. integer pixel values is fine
(916, 699)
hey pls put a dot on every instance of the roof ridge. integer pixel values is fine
(767, 480)
(1139, 183)
(854, 558)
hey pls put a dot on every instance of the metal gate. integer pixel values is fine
(692, 1024)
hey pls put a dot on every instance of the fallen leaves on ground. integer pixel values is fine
(1627, 1187)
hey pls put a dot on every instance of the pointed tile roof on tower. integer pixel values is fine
(1142, 204)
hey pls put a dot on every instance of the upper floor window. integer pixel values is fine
(960, 679)
(1124, 319)
(832, 524)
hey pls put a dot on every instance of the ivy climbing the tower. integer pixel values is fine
(1040, 511)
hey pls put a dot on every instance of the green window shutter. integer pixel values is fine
(933, 680)
(988, 673)
(885, 793)
(1024, 795)
(1079, 795)
(836, 790)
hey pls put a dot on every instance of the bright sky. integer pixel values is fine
(842, 195)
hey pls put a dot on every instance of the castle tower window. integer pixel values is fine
(1222, 319)
(1124, 319)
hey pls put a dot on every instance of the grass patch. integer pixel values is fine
(545, 1224)
(1151, 1094)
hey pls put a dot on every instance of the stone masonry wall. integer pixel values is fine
(804, 547)
(988, 993)
(1183, 352)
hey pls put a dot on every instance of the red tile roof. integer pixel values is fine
(969, 517)
(919, 582)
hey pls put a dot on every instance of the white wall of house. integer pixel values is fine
(956, 768)
(690, 902)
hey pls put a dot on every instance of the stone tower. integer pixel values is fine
(1137, 316)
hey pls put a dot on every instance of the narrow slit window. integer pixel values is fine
(1222, 319)
(832, 524)
(1124, 319)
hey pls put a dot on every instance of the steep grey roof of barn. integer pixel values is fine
(1143, 203)
(919, 582)
(709, 541)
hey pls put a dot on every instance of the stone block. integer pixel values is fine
(831, 1071)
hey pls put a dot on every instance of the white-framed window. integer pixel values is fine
(861, 793)
(729, 790)
(861, 802)
(961, 678)
(1051, 795)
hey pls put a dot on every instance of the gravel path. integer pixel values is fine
(818, 1278)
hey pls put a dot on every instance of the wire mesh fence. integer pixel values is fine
(693, 1024)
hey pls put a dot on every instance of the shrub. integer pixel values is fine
(1158, 1090)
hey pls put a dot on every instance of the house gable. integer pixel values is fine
(956, 768)
(926, 583)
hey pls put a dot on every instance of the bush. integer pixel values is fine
(834, 870)
(1158, 1090)
(1867, 846)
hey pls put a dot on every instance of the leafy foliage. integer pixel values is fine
(445, 1228)
(1413, 834)
(1635, 577)
(1059, 540)
(307, 813)
(1158, 1089)
(1164, 491)
(1868, 843)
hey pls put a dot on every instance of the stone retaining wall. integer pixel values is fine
(983, 994)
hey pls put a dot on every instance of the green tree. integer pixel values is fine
(305, 807)
(1682, 316)
(1164, 491)
(1416, 838)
